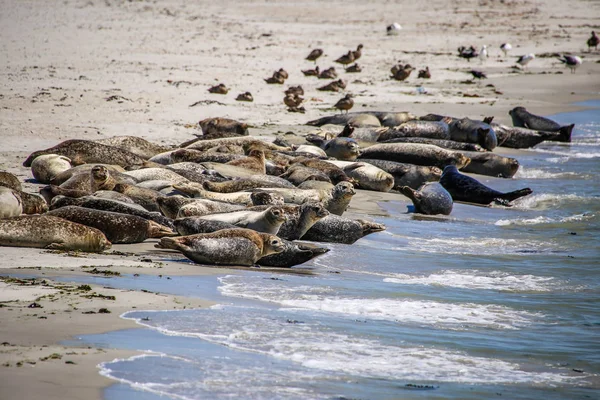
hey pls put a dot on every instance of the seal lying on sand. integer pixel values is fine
(524, 119)
(88, 152)
(293, 253)
(430, 199)
(44, 231)
(416, 128)
(267, 221)
(10, 180)
(135, 145)
(225, 247)
(467, 189)
(45, 168)
(367, 176)
(407, 174)
(117, 227)
(336, 229)
(10, 203)
(491, 164)
(446, 144)
(342, 148)
(299, 218)
(254, 182)
(472, 131)
(413, 153)
(522, 138)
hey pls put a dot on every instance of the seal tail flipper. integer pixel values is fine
(370, 227)
(315, 139)
(565, 133)
(158, 231)
(510, 196)
(167, 243)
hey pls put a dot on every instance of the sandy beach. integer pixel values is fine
(95, 69)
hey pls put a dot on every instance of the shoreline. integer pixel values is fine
(55, 89)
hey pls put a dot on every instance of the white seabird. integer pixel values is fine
(505, 47)
(526, 59)
(393, 29)
(573, 62)
(483, 54)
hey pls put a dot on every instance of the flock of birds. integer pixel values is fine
(294, 101)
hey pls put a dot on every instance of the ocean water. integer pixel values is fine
(488, 302)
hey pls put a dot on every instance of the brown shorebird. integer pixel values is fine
(345, 103)
(335, 86)
(467, 53)
(316, 53)
(283, 73)
(424, 73)
(593, 41)
(219, 89)
(311, 72)
(247, 96)
(294, 91)
(358, 52)
(346, 59)
(292, 101)
(403, 73)
(329, 73)
(354, 68)
(276, 78)
(399, 67)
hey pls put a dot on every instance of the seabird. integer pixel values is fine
(247, 96)
(424, 73)
(593, 41)
(505, 47)
(467, 53)
(346, 59)
(283, 73)
(334, 86)
(573, 62)
(328, 73)
(316, 53)
(219, 89)
(524, 60)
(358, 52)
(393, 29)
(403, 73)
(276, 78)
(345, 103)
(483, 54)
(292, 101)
(354, 68)
(311, 72)
(294, 91)
(478, 74)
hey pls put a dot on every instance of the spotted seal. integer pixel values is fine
(521, 138)
(148, 174)
(367, 176)
(88, 152)
(446, 144)
(298, 173)
(472, 131)
(117, 227)
(342, 148)
(255, 162)
(204, 145)
(45, 231)
(201, 207)
(10, 180)
(407, 174)
(524, 119)
(299, 218)
(32, 203)
(413, 153)
(491, 164)
(10, 203)
(267, 221)
(430, 199)
(254, 182)
(114, 170)
(336, 229)
(467, 189)
(225, 247)
(417, 128)
(217, 126)
(144, 197)
(44, 168)
(135, 145)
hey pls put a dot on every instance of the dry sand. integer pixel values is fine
(94, 69)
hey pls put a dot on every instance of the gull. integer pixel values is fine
(526, 59)
(573, 62)
(505, 47)
(393, 29)
(593, 41)
(316, 53)
(483, 54)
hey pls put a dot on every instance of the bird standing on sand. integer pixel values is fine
(345, 103)
(593, 41)
(316, 53)
(358, 52)
(219, 89)
(354, 68)
(402, 73)
(335, 86)
(505, 47)
(424, 73)
(573, 62)
(276, 78)
(478, 74)
(526, 59)
(483, 54)
(295, 91)
(467, 53)
(346, 59)
(293, 102)
(328, 73)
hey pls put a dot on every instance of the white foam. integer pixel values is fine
(567, 153)
(545, 201)
(533, 173)
(544, 220)
(479, 245)
(482, 280)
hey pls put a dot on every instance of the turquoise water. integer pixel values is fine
(488, 302)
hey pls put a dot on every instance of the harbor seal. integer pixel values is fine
(44, 168)
(10, 203)
(267, 221)
(522, 138)
(407, 174)
(225, 247)
(524, 119)
(299, 218)
(117, 227)
(336, 229)
(469, 190)
(446, 144)
(342, 148)
(255, 162)
(254, 182)
(367, 176)
(472, 131)
(204, 145)
(32, 203)
(298, 173)
(335, 173)
(135, 145)
(491, 164)
(144, 197)
(216, 126)
(114, 170)
(200, 207)
(430, 199)
(151, 174)
(413, 153)
(417, 128)
(88, 152)
(10, 180)
(45, 231)
(337, 200)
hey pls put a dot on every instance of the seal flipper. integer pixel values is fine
(565, 133)
(510, 196)
(56, 246)
(315, 139)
